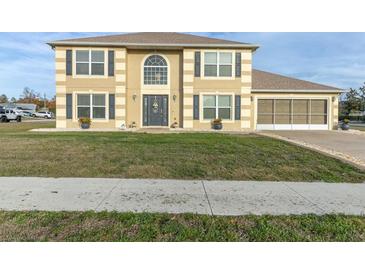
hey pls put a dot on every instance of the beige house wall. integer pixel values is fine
(136, 88)
(128, 87)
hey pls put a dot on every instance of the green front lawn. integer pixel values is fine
(180, 156)
(103, 226)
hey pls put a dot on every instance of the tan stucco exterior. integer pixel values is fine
(128, 87)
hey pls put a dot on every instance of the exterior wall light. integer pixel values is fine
(134, 97)
(174, 97)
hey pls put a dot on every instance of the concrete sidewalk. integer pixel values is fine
(179, 196)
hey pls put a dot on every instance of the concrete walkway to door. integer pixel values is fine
(181, 196)
(345, 145)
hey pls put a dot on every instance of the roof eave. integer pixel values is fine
(151, 45)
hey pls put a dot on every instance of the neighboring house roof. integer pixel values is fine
(267, 81)
(160, 39)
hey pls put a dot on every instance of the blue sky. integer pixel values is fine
(336, 59)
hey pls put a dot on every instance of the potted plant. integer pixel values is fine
(345, 124)
(217, 124)
(85, 122)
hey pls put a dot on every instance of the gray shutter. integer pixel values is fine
(111, 63)
(238, 64)
(237, 107)
(196, 107)
(68, 62)
(111, 106)
(197, 64)
(68, 106)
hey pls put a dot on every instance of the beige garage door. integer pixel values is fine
(283, 114)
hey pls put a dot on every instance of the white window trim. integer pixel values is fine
(201, 107)
(202, 65)
(328, 126)
(93, 120)
(153, 88)
(74, 75)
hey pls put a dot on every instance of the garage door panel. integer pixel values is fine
(282, 119)
(318, 106)
(318, 119)
(265, 119)
(300, 119)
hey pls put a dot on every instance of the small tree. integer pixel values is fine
(354, 100)
(4, 98)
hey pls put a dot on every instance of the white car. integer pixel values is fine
(7, 115)
(43, 114)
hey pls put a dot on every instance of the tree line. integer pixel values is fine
(29, 96)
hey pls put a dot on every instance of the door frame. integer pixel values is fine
(168, 109)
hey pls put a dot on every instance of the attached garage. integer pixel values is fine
(292, 114)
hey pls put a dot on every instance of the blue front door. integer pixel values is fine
(155, 110)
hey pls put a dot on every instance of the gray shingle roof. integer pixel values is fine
(262, 80)
(153, 38)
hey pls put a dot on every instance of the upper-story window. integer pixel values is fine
(90, 62)
(155, 70)
(218, 64)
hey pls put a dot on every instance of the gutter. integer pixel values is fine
(298, 90)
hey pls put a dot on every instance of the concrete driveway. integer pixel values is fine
(349, 146)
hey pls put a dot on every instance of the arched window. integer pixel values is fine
(155, 70)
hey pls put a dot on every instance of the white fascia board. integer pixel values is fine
(298, 90)
(148, 45)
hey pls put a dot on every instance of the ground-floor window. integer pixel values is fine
(217, 106)
(91, 106)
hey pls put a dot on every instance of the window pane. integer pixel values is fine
(82, 69)
(210, 70)
(225, 70)
(224, 113)
(83, 112)
(82, 56)
(155, 75)
(225, 58)
(99, 112)
(224, 100)
(210, 58)
(98, 100)
(97, 69)
(97, 56)
(209, 113)
(209, 101)
(83, 99)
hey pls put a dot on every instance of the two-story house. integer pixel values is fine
(163, 79)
